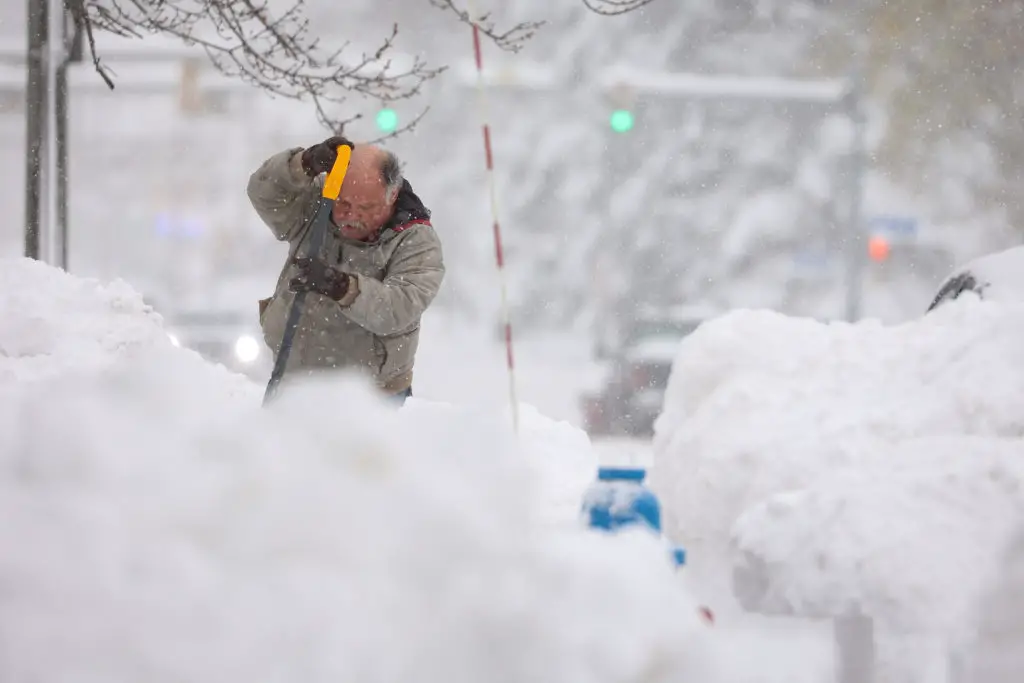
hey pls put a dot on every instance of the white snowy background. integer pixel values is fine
(730, 203)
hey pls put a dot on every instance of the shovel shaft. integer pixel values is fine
(317, 232)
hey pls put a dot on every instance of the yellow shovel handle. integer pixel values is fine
(332, 185)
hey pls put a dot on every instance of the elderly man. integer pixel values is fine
(379, 269)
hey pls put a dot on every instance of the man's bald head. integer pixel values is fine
(369, 192)
(372, 165)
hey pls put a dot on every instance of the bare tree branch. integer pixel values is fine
(82, 23)
(614, 7)
(511, 40)
(277, 52)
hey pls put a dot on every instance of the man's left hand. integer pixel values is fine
(316, 276)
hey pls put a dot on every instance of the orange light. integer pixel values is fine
(878, 248)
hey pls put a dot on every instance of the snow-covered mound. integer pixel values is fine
(159, 525)
(909, 534)
(998, 276)
(993, 654)
(560, 461)
(847, 465)
(55, 325)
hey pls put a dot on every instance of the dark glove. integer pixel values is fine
(320, 158)
(316, 276)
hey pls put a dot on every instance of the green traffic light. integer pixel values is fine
(621, 121)
(387, 120)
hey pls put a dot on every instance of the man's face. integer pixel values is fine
(362, 206)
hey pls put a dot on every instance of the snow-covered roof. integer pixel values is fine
(114, 48)
(539, 76)
(718, 86)
(525, 74)
(662, 348)
(680, 313)
(137, 76)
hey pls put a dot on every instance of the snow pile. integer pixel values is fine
(561, 463)
(160, 526)
(55, 325)
(910, 533)
(847, 465)
(994, 654)
(996, 276)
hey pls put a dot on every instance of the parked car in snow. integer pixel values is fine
(224, 336)
(998, 276)
(632, 390)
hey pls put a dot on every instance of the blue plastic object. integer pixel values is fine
(637, 474)
(619, 499)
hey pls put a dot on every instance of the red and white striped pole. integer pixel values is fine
(498, 251)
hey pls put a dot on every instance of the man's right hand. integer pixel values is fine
(320, 158)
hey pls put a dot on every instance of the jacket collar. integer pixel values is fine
(409, 208)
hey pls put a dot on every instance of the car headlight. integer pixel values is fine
(174, 340)
(247, 349)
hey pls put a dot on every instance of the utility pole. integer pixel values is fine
(70, 51)
(60, 107)
(35, 118)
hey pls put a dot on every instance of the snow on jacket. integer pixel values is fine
(375, 326)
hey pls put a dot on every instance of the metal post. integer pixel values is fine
(60, 106)
(35, 120)
(854, 637)
(61, 181)
(856, 242)
(50, 238)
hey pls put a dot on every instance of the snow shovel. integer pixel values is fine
(318, 228)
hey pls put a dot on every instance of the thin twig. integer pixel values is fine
(273, 51)
(610, 8)
(276, 51)
(511, 40)
(81, 19)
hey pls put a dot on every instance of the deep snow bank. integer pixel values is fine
(993, 654)
(159, 525)
(847, 464)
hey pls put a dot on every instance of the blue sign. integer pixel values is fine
(897, 226)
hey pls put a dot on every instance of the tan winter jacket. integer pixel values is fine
(375, 327)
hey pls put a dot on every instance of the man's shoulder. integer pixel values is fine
(418, 241)
(419, 231)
